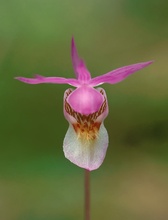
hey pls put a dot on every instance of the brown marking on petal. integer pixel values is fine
(75, 128)
(86, 126)
(97, 125)
(87, 133)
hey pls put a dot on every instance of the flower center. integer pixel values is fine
(86, 126)
(85, 100)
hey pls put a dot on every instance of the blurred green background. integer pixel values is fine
(36, 181)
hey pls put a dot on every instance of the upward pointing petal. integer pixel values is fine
(119, 74)
(79, 66)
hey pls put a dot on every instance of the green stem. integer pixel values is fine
(87, 195)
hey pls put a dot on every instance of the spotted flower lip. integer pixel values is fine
(85, 108)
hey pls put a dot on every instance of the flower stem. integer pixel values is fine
(87, 195)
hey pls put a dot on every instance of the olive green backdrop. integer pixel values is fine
(36, 181)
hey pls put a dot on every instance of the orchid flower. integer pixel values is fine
(85, 108)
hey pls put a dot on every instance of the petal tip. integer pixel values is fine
(148, 62)
(72, 41)
(22, 79)
(73, 47)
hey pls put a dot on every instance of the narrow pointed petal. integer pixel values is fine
(55, 80)
(85, 100)
(86, 154)
(79, 66)
(119, 74)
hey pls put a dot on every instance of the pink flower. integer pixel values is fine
(85, 108)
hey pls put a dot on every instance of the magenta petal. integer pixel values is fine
(79, 66)
(55, 80)
(119, 74)
(85, 100)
